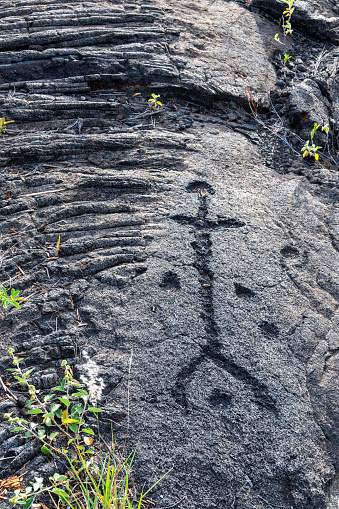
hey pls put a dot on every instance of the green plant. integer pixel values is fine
(9, 299)
(96, 479)
(287, 15)
(286, 57)
(2, 125)
(310, 149)
(154, 101)
(326, 128)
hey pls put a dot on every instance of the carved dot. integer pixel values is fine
(200, 187)
(220, 399)
(170, 281)
(242, 291)
(289, 252)
(269, 328)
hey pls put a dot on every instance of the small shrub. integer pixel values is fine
(9, 299)
(287, 15)
(3, 124)
(310, 149)
(154, 102)
(96, 478)
(286, 58)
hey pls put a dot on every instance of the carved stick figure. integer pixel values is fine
(202, 246)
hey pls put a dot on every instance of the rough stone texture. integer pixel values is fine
(318, 18)
(161, 45)
(307, 100)
(308, 106)
(177, 242)
(328, 80)
(316, 98)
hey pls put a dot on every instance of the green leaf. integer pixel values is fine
(28, 434)
(80, 393)
(41, 433)
(28, 503)
(16, 304)
(49, 397)
(53, 435)
(54, 408)
(45, 450)
(38, 484)
(48, 421)
(70, 421)
(62, 494)
(77, 409)
(17, 429)
(28, 403)
(94, 410)
(63, 383)
(57, 477)
(64, 400)
(28, 372)
(74, 427)
(88, 430)
(58, 413)
(34, 411)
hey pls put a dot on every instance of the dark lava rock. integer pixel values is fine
(177, 243)
(328, 81)
(308, 106)
(318, 18)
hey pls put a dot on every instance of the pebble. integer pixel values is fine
(301, 67)
(280, 83)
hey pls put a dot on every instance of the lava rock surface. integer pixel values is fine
(182, 242)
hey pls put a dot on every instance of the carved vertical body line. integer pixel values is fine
(202, 246)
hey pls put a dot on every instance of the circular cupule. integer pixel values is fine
(200, 187)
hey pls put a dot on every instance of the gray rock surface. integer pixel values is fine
(318, 18)
(328, 80)
(178, 243)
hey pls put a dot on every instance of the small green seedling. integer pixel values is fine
(9, 299)
(310, 149)
(154, 101)
(3, 124)
(288, 13)
(326, 128)
(286, 57)
(287, 27)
